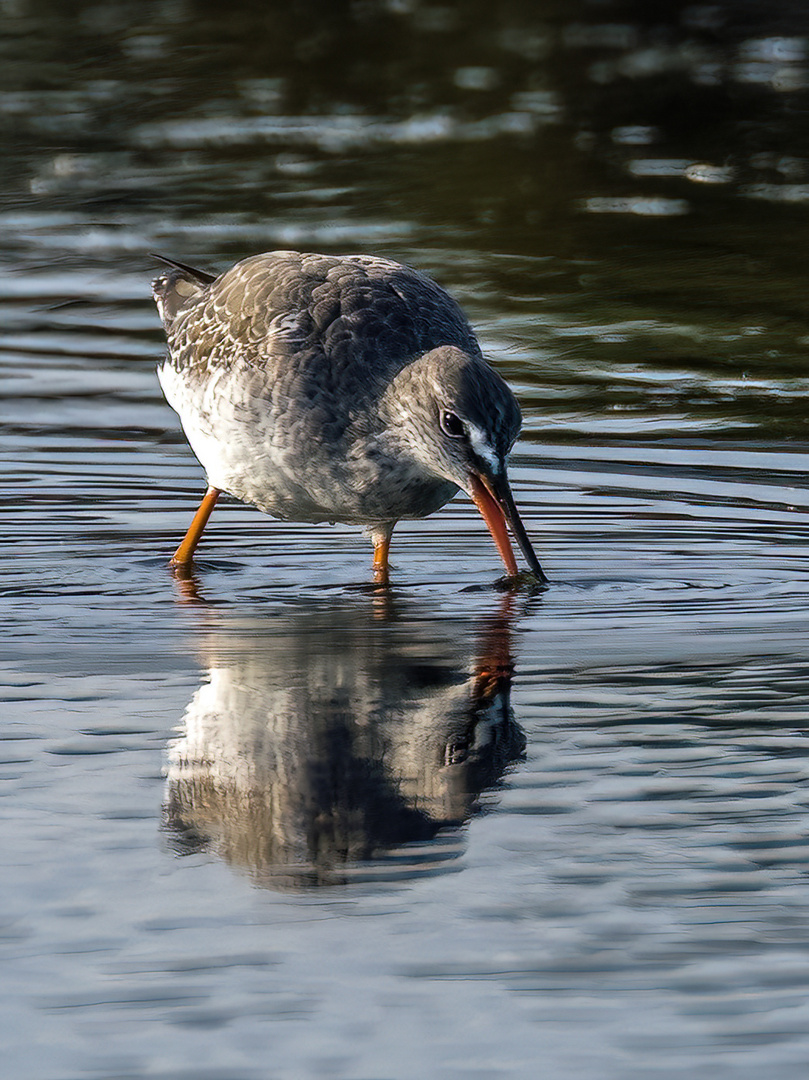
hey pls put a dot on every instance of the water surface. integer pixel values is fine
(275, 823)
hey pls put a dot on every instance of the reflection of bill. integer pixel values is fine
(321, 743)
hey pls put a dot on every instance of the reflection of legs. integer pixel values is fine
(380, 535)
(494, 666)
(185, 552)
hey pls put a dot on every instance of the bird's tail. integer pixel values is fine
(176, 286)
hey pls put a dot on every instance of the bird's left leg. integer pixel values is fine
(184, 554)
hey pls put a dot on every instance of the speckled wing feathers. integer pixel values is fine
(343, 308)
(277, 366)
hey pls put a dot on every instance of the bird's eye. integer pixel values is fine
(452, 425)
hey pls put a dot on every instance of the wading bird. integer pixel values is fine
(337, 388)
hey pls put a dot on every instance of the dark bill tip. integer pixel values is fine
(497, 488)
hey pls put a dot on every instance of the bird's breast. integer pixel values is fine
(296, 456)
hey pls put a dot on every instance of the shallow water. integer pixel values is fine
(272, 822)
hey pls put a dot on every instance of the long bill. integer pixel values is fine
(493, 498)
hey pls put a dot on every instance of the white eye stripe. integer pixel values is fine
(481, 446)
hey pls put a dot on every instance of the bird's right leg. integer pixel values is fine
(185, 552)
(380, 536)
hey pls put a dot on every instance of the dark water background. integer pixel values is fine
(296, 830)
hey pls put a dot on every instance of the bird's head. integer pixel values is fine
(459, 420)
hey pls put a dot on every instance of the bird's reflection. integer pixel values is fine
(337, 746)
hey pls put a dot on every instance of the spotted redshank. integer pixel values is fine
(337, 388)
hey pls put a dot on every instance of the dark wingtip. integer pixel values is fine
(200, 276)
(175, 287)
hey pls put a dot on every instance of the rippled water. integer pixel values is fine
(271, 822)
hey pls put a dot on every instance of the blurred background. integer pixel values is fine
(617, 191)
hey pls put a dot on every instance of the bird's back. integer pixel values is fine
(345, 312)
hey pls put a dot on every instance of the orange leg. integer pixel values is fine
(185, 552)
(381, 539)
